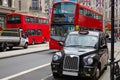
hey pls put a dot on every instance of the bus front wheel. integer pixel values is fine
(25, 46)
(33, 42)
(44, 40)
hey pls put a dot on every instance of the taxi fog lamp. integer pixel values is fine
(57, 56)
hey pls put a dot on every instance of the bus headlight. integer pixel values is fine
(57, 56)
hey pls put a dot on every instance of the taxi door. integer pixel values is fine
(103, 51)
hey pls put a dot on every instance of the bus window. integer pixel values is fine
(39, 20)
(13, 19)
(59, 33)
(32, 32)
(81, 11)
(64, 8)
(38, 32)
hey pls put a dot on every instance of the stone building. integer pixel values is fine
(6, 6)
(33, 7)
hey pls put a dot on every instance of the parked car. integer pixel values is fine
(84, 54)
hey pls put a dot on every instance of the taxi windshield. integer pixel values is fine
(81, 40)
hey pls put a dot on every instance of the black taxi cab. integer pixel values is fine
(84, 54)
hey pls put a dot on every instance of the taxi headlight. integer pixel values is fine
(57, 56)
(88, 60)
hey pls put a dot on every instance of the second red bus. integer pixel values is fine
(36, 28)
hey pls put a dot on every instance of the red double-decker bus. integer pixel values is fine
(36, 28)
(0, 28)
(70, 16)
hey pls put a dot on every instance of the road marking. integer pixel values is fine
(46, 77)
(24, 72)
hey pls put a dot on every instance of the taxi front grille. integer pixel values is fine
(71, 62)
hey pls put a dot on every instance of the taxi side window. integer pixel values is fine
(102, 42)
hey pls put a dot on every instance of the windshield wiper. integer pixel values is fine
(74, 46)
(90, 46)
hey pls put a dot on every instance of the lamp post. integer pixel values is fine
(112, 41)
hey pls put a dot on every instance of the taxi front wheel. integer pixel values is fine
(55, 75)
(97, 74)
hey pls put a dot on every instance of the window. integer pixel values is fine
(39, 20)
(28, 32)
(31, 19)
(27, 19)
(9, 3)
(64, 8)
(85, 12)
(32, 32)
(81, 11)
(38, 32)
(35, 20)
(14, 19)
(35, 4)
(1, 1)
(19, 4)
(102, 42)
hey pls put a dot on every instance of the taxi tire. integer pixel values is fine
(55, 75)
(10, 47)
(97, 74)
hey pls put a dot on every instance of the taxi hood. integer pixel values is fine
(77, 51)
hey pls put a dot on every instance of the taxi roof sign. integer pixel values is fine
(83, 32)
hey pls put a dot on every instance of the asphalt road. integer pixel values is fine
(36, 66)
(14, 65)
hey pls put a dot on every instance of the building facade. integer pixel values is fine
(42, 7)
(6, 6)
(33, 7)
(116, 13)
(104, 6)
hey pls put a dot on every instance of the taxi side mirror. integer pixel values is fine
(107, 36)
(103, 46)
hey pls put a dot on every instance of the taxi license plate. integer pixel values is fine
(70, 73)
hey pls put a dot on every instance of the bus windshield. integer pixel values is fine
(58, 32)
(14, 19)
(64, 8)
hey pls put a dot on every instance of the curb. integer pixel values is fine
(31, 49)
(23, 54)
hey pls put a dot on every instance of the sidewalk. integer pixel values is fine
(21, 51)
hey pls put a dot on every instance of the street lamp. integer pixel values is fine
(112, 41)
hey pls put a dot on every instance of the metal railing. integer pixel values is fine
(115, 65)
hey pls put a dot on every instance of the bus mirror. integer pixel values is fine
(61, 43)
